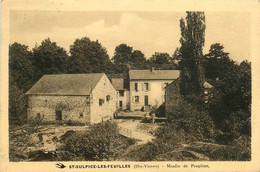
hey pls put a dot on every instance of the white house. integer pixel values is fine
(147, 87)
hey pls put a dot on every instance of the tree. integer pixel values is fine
(217, 62)
(122, 58)
(89, 56)
(161, 61)
(49, 58)
(122, 54)
(230, 104)
(192, 41)
(20, 65)
(176, 57)
(126, 58)
(160, 58)
(21, 78)
(137, 59)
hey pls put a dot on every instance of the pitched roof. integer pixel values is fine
(206, 84)
(153, 74)
(173, 82)
(118, 83)
(66, 84)
(118, 75)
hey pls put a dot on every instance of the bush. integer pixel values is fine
(186, 124)
(239, 150)
(189, 118)
(101, 142)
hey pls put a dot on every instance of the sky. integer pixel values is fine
(148, 32)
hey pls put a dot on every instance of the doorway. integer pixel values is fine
(146, 100)
(58, 115)
(120, 104)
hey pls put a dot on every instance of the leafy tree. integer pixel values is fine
(122, 54)
(176, 57)
(49, 58)
(122, 58)
(217, 62)
(125, 58)
(161, 61)
(137, 59)
(20, 66)
(230, 105)
(160, 58)
(21, 78)
(192, 41)
(88, 56)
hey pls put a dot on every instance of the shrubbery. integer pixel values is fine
(101, 142)
(191, 119)
(186, 125)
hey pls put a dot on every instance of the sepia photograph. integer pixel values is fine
(157, 95)
(129, 86)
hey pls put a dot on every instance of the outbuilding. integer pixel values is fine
(173, 96)
(72, 98)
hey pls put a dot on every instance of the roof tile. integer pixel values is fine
(66, 84)
(153, 74)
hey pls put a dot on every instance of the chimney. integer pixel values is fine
(152, 69)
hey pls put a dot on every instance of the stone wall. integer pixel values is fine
(43, 109)
(103, 101)
(172, 96)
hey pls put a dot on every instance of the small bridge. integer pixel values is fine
(128, 129)
(125, 132)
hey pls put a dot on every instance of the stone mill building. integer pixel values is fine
(75, 98)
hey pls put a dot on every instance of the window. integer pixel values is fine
(146, 100)
(120, 104)
(136, 99)
(121, 93)
(81, 115)
(146, 86)
(136, 86)
(108, 98)
(101, 101)
(58, 115)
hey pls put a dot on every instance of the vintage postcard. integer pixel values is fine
(129, 85)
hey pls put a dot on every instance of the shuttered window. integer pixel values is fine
(136, 99)
(136, 87)
(146, 86)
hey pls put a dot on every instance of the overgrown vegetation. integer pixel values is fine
(102, 142)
